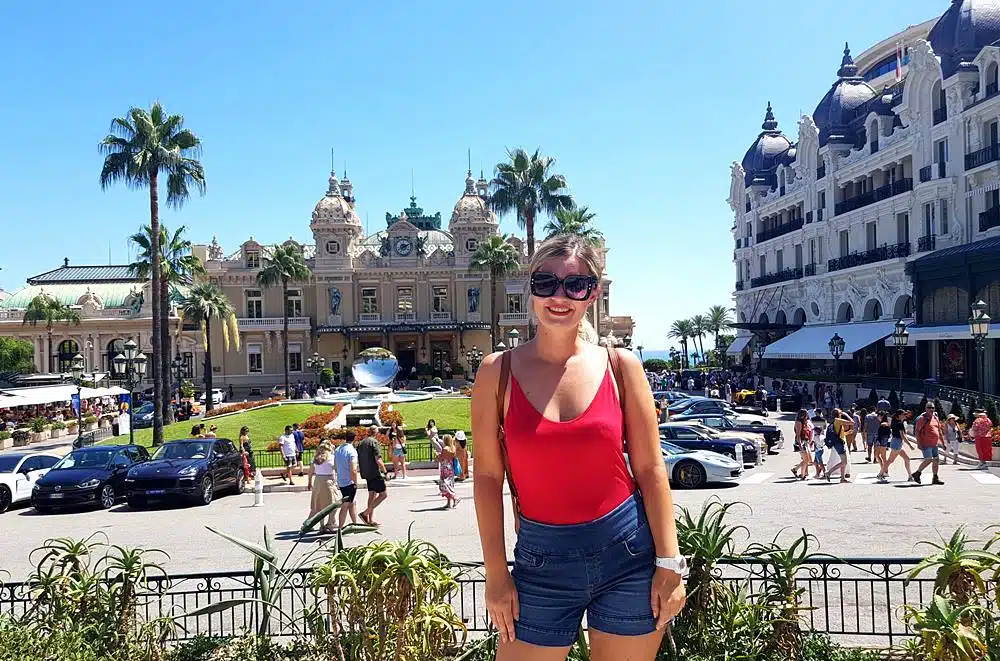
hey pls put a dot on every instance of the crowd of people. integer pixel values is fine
(21, 416)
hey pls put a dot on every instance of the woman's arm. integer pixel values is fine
(489, 475)
(312, 471)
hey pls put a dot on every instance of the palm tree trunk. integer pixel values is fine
(209, 400)
(529, 228)
(284, 334)
(48, 355)
(164, 312)
(154, 249)
(494, 315)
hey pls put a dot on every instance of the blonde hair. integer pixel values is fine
(322, 453)
(448, 441)
(562, 246)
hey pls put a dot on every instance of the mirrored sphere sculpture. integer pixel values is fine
(375, 368)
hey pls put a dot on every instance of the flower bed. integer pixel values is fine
(388, 416)
(243, 406)
(321, 420)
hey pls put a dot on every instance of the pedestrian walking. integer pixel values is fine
(447, 463)
(883, 437)
(952, 436)
(463, 455)
(397, 440)
(897, 438)
(852, 433)
(324, 491)
(373, 471)
(345, 461)
(287, 443)
(247, 448)
(930, 439)
(803, 441)
(836, 432)
(300, 446)
(869, 433)
(819, 443)
(570, 399)
(982, 429)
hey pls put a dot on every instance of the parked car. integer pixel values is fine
(771, 433)
(192, 470)
(683, 405)
(690, 469)
(277, 391)
(789, 401)
(694, 436)
(142, 417)
(718, 407)
(19, 471)
(669, 396)
(88, 476)
(436, 390)
(218, 396)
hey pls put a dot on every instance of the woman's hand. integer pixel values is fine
(502, 604)
(667, 596)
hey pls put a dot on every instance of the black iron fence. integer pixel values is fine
(416, 451)
(855, 600)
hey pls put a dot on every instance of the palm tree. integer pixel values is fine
(500, 259)
(526, 186)
(204, 303)
(682, 329)
(718, 321)
(142, 146)
(699, 324)
(178, 266)
(285, 265)
(44, 308)
(575, 221)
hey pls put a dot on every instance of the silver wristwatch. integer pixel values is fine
(678, 565)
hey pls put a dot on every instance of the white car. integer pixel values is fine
(436, 390)
(690, 469)
(218, 396)
(18, 473)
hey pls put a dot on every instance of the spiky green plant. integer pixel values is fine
(944, 633)
(960, 569)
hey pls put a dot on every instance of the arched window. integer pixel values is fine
(115, 347)
(799, 318)
(763, 319)
(903, 308)
(780, 318)
(873, 310)
(845, 313)
(67, 349)
(991, 79)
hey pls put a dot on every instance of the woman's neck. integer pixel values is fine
(556, 346)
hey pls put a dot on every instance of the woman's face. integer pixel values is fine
(559, 311)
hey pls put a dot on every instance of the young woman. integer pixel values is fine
(463, 455)
(247, 448)
(325, 492)
(896, 440)
(803, 439)
(952, 434)
(590, 539)
(446, 470)
(398, 440)
(882, 437)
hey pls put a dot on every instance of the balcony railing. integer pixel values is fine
(273, 323)
(772, 278)
(405, 317)
(739, 285)
(513, 318)
(872, 256)
(874, 146)
(821, 171)
(942, 169)
(989, 219)
(871, 197)
(781, 230)
(925, 173)
(982, 157)
(440, 316)
(809, 217)
(810, 269)
(940, 115)
(926, 243)
(369, 317)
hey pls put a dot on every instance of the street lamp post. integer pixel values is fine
(513, 338)
(760, 348)
(836, 345)
(900, 337)
(475, 358)
(501, 346)
(176, 365)
(979, 326)
(77, 371)
(316, 363)
(131, 366)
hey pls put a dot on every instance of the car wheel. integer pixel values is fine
(241, 482)
(5, 498)
(689, 475)
(136, 503)
(207, 492)
(106, 497)
(756, 423)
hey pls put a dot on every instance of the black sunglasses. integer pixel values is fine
(576, 287)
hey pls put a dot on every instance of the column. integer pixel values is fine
(38, 343)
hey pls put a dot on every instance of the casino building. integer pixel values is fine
(409, 288)
(884, 205)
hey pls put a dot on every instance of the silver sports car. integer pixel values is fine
(690, 469)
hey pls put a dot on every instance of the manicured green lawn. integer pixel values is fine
(265, 425)
(449, 414)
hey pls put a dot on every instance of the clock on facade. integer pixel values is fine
(333, 247)
(403, 246)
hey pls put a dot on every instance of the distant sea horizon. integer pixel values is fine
(654, 353)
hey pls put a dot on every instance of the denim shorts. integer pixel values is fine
(818, 455)
(930, 453)
(895, 443)
(603, 568)
(839, 448)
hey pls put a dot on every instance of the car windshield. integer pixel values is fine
(145, 408)
(9, 463)
(707, 431)
(86, 459)
(670, 448)
(185, 450)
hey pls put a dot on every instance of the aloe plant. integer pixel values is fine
(944, 633)
(960, 569)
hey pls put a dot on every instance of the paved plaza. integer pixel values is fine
(858, 519)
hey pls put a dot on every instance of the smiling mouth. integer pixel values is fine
(559, 311)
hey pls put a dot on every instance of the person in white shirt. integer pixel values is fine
(287, 443)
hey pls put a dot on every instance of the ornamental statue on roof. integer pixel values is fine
(415, 216)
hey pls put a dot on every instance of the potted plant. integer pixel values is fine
(39, 429)
(57, 429)
(89, 422)
(21, 437)
(6, 440)
(71, 427)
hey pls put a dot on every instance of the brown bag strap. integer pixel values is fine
(501, 401)
(616, 370)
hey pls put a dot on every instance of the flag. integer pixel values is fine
(899, 62)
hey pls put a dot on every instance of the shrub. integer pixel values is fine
(872, 399)
(437, 381)
(71, 424)
(458, 368)
(20, 436)
(4, 435)
(311, 442)
(273, 446)
(90, 419)
(58, 425)
(326, 377)
(187, 389)
(939, 409)
(38, 425)
(242, 406)
(991, 412)
(387, 416)
(893, 400)
(655, 365)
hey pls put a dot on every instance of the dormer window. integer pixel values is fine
(253, 259)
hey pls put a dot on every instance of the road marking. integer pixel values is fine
(986, 478)
(758, 478)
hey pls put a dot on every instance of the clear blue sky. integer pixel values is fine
(643, 104)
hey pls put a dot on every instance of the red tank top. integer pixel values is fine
(567, 472)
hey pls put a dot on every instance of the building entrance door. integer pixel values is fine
(441, 359)
(406, 355)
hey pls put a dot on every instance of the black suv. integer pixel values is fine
(191, 470)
